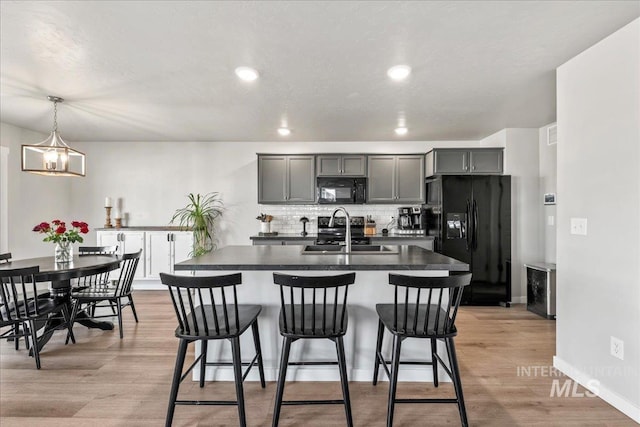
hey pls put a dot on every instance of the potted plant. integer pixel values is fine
(200, 215)
(265, 222)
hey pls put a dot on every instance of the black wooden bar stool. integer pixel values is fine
(219, 317)
(311, 308)
(423, 307)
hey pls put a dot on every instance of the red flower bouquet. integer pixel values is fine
(58, 232)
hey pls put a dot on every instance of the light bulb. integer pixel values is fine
(399, 72)
(284, 131)
(247, 74)
(50, 159)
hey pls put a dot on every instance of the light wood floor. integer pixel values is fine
(105, 381)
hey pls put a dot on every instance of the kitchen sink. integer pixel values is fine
(355, 250)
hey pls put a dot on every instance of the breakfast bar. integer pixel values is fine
(257, 264)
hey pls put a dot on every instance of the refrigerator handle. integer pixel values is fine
(467, 227)
(475, 225)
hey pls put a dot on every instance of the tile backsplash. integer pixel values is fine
(286, 218)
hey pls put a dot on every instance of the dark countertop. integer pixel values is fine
(286, 236)
(312, 236)
(290, 258)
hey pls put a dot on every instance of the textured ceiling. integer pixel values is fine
(143, 70)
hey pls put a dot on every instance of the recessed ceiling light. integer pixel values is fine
(399, 72)
(247, 74)
(284, 131)
(401, 131)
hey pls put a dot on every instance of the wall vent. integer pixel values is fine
(552, 135)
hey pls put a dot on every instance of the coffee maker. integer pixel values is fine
(410, 220)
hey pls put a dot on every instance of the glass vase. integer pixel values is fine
(63, 252)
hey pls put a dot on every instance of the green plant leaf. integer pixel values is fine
(200, 215)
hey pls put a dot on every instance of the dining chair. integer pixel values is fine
(95, 279)
(322, 316)
(207, 309)
(424, 308)
(22, 304)
(116, 294)
(17, 330)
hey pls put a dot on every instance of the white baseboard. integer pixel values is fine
(151, 286)
(310, 373)
(518, 300)
(611, 397)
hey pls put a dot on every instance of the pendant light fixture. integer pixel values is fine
(53, 156)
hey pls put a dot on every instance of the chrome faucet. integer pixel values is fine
(347, 237)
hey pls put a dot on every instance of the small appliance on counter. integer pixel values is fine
(370, 226)
(410, 220)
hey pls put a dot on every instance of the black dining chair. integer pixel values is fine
(16, 331)
(207, 309)
(95, 279)
(313, 307)
(426, 308)
(22, 304)
(116, 294)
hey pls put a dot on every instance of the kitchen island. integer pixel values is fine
(257, 263)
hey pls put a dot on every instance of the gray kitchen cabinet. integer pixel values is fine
(341, 164)
(423, 243)
(460, 161)
(395, 178)
(286, 179)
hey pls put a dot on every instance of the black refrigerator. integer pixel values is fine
(470, 218)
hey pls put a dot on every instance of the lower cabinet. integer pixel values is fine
(127, 242)
(160, 250)
(423, 243)
(164, 249)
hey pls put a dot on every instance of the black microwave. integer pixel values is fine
(340, 190)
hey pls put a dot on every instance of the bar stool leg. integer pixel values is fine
(434, 360)
(175, 385)
(342, 362)
(237, 370)
(256, 342)
(376, 366)
(203, 361)
(457, 384)
(284, 362)
(397, 342)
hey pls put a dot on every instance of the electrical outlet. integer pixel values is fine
(579, 226)
(551, 220)
(617, 348)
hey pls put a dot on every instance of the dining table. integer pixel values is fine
(60, 276)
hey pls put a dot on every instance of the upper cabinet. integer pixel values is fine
(286, 179)
(341, 164)
(395, 178)
(460, 161)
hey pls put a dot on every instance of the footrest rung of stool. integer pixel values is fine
(207, 402)
(313, 402)
(426, 401)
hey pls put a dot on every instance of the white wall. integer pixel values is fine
(548, 184)
(599, 179)
(31, 198)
